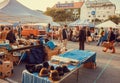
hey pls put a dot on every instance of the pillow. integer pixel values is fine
(51, 45)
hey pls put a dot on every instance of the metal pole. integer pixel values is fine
(95, 11)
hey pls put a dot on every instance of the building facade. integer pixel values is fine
(97, 9)
(74, 7)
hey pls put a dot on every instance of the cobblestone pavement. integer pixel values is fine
(107, 71)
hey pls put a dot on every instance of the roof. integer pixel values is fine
(69, 5)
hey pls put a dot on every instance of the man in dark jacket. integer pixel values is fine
(65, 36)
(11, 36)
(82, 38)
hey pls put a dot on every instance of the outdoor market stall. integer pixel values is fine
(83, 57)
(8, 12)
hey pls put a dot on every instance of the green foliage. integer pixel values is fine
(59, 14)
(115, 19)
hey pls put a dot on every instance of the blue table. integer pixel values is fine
(8, 47)
(82, 56)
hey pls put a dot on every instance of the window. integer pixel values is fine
(98, 16)
(103, 15)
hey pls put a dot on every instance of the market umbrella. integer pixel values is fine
(107, 24)
(5, 23)
(54, 24)
(15, 10)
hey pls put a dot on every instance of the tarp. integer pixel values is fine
(15, 10)
(5, 23)
(107, 24)
(75, 23)
(54, 24)
(81, 23)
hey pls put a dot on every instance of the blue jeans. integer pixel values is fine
(100, 41)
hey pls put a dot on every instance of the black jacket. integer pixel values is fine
(82, 35)
(11, 37)
(111, 36)
(64, 33)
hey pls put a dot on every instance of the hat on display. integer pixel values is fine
(30, 67)
(44, 72)
(54, 75)
(51, 68)
(65, 69)
(60, 70)
(38, 68)
(46, 65)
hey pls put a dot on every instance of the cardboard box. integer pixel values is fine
(2, 75)
(90, 65)
(50, 52)
(12, 58)
(6, 69)
(7, 65)
(6, 73)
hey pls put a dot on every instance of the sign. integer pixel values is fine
(65, 5)
(93, 12)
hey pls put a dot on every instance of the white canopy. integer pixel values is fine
(15, 10)
(54, 24)
(107, 24)
(75, 23)
(5, 23)
(81, 23)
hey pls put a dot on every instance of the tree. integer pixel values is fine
(114, 18)
(59, 14)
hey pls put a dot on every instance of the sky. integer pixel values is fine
(43, 4)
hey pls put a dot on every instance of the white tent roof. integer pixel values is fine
(5, 23)
(54, 24)
(81, 23)
(107, 24)
(14, 9)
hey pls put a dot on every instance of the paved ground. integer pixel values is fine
(107, 71)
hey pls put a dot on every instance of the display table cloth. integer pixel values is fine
(5, 45)
(82, 56)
